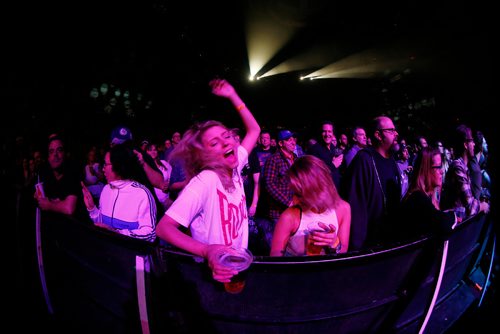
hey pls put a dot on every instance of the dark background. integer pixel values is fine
(170, 50)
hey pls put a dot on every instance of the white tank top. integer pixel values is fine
(296, 243)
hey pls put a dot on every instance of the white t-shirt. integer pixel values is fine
(214, 215)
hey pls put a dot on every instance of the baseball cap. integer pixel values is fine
(120, 134)
(284, 135)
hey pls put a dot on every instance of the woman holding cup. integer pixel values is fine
(212, 205)
(320, 220)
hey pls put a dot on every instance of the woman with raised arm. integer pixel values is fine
(212, 205)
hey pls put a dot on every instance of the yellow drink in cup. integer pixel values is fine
(311, 248)
(238, 259)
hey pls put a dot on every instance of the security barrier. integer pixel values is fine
(99, 281)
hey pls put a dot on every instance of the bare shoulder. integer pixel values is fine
(344, 207)
(290, 217)
(291, 213)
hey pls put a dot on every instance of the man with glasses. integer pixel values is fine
(372, 186)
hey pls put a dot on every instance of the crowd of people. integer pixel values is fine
(215, 187)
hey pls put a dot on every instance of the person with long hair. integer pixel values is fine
(421, 211)
(213, 204)
(315, 200)
(125, 206)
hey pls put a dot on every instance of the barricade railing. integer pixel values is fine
(97, 279)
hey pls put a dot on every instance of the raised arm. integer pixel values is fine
(222, 88)
(154, 176)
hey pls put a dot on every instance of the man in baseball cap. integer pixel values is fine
(285, 135)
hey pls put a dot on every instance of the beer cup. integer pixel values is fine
(238, 259)
(311, 248)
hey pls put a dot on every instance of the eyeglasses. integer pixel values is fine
(391, 130)
(106, 164)
(437, 167)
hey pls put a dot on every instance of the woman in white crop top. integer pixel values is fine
(316, 201)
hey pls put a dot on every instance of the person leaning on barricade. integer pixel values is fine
(212, 205)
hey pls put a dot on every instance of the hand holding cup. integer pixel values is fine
(229, 266)
(319, 235)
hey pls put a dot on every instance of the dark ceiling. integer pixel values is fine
(169, 50)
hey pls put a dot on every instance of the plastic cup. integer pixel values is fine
(238, 259)
(311, 248)
(460, 213)
(39, 190)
